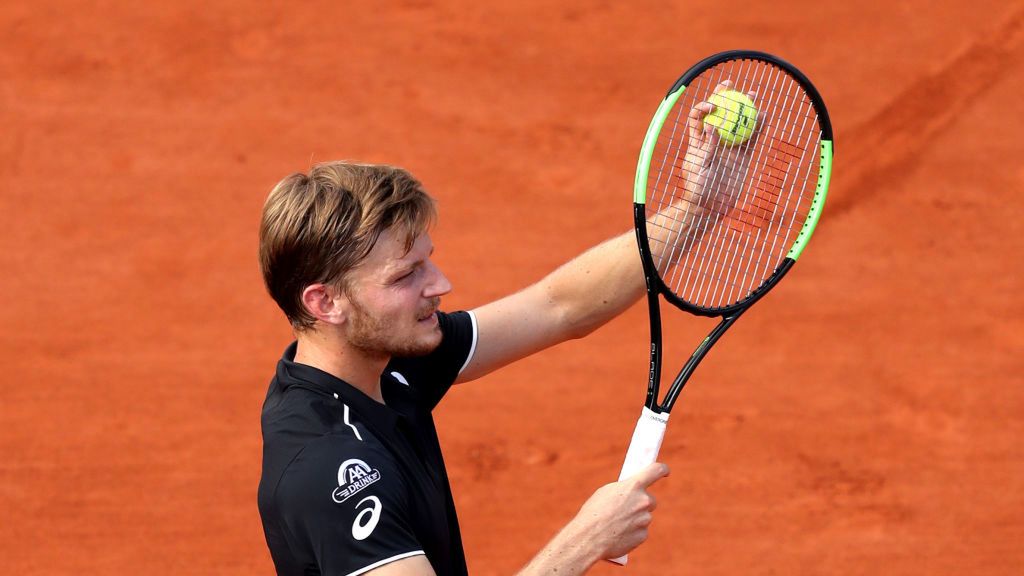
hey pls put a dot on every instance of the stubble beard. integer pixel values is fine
(376, 337)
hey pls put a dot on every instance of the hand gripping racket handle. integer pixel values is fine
(643, 449)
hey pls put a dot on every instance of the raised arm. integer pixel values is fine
(602, 282)
(571, 302)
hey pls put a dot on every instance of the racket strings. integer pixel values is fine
(695, 228)
(694, 281)
(712, 258)
(717, 245)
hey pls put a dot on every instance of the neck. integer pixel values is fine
(332, 354)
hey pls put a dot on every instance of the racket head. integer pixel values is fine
(719, 223)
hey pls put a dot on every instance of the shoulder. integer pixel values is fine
(300, 414)
(460, 334)
(334, 467)
(345, 505)
(432, 375)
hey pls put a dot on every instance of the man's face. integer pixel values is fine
(395, 295)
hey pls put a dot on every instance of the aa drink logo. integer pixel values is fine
(353, 476)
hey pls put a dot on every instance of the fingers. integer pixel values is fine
(703, 137)
(723, 85)
(694, 120)
(727, 85)
(698, 112)
(615, 520)
(711, 138)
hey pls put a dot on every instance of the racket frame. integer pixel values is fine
(650, 428)
(656, 286)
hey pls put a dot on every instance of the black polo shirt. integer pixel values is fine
(350, 484)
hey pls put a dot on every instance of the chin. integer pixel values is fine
(421, 347)
(417, 342)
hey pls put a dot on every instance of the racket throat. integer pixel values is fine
(654, 371)
(695, 359)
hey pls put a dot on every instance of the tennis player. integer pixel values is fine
(353, 478)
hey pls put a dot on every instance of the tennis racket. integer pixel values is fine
(730, 184)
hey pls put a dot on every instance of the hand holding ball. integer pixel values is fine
(735, 116)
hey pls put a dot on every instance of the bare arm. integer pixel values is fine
(601, 283)
(610, 524)
(571, 302)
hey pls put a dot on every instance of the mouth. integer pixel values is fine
(431, 316)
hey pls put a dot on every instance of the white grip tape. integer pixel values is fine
(643, 449)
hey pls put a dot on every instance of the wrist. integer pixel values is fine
(571, 552)
(579, 544)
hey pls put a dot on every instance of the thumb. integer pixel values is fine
(650, 474)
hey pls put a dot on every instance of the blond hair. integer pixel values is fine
(317, 227)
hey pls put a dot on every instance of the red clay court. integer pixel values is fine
(865, 418)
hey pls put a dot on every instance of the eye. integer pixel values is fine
(405, 276)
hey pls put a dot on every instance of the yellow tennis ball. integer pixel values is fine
(734, 115)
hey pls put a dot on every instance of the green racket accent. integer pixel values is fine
(824, 173)
(647, 150)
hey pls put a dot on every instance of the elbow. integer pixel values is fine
(578, 323)
(574, 314)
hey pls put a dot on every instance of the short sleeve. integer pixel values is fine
(346, 505)
(432, 375)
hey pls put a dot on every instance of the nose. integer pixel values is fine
(438, 284)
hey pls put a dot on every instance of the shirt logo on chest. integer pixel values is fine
(353, 476)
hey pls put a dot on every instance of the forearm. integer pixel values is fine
(611, 523)
(673, 231)
(568, 554)
(596, 286)
(570, 302)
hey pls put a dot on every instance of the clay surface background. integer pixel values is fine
(865, 418)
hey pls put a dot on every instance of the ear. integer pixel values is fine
(326, 303)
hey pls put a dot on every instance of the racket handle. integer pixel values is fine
(643, 450)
